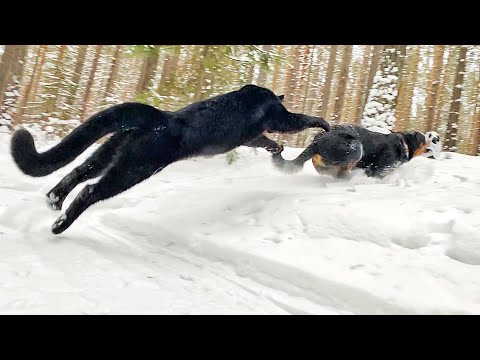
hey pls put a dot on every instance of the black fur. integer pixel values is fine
(146, 140)
(348, 146)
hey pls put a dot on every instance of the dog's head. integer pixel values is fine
(420, 144)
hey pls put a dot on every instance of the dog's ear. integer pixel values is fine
(281, 97)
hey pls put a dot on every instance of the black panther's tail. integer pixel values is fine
(295, 165)
(116, 118)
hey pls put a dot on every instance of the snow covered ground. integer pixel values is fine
(205, 237)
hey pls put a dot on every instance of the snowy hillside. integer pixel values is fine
(205, 237)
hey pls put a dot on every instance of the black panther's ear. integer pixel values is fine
(281, 97)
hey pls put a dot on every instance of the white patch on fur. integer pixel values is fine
(59, 221)
(53, 198)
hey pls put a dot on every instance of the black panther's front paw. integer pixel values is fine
(53, 201)
(318, 122)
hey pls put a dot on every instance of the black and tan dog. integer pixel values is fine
(346, 147)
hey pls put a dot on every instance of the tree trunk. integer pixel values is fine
(361, 85)
(51, 104)
(169, 70)
(307, 82)
(28, 87)
(11, 70)
(402, 52)
(432, 87)
(201, 73)
(315, 91)
(113, 72)
(452, 125)
(476, 124)
(9, 59)
(262, 75)
(148, 70)
(37, 78)
(276, 69)
(88, 87)
(328, 81)
(444, 95)
(406, 96)
(377, 55)
(291, 80)
(81, 54)
(70, 110)
(342, 85)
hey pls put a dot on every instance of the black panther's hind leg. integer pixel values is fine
(143, 158)
(94, 166)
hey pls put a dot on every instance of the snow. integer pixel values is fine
(205, 237)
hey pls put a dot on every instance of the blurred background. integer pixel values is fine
(52, 88)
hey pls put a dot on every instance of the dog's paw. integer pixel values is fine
(53, 201)
(60, 224)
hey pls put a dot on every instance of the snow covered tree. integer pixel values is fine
(379, 113)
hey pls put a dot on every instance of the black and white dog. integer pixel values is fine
(346, 147)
